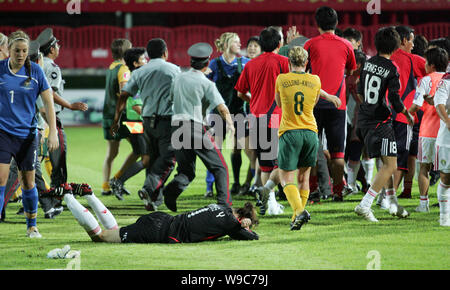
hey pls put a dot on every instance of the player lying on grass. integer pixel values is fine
(207, 223)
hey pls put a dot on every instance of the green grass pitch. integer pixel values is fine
(335, 238)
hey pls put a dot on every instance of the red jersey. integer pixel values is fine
(329, 56)
(258, 78)
(411, 67)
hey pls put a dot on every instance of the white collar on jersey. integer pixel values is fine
(21, 76)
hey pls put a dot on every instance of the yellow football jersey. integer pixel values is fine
(298, 94)
(123, 74)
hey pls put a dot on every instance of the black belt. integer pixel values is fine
(152, 120)
(156, 117)
(164, 117)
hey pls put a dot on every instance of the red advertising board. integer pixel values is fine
(216, 5)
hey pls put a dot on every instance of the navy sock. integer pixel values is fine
(30, 204)
(209, 181)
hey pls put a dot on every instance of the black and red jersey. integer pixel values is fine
(379, 87)
(207, 223)
(411, 68)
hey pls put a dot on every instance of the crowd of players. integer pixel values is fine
(313, 116)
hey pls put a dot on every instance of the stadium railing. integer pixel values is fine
(89, 46)
(140, 35)
(66, 41)
(92, 45)
(7, 30)
(185, 36)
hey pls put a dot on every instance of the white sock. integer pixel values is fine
(352, 173)
(443, 194)
(103, 214)
(417, 170)
(424, 200)
(390, 195)
(270, 184)
(368, 198)
(368, 166)
(382, 195)
(83, 216)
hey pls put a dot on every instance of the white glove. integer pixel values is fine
(64, 253)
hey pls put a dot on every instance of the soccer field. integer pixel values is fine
(335, 238)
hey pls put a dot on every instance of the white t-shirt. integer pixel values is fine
(442, 96)
(422, 90)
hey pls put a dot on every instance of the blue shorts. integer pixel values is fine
(24, 151)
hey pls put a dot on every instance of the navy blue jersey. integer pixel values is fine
(229, 68)
(18, 99)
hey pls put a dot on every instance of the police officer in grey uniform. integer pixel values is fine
(49, 47)
(194, 94)
(154, 80)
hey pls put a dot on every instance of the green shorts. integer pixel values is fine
(297, 148)
(122, 133)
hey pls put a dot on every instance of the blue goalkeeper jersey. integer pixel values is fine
(18, 99)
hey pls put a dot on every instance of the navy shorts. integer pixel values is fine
(334, 122)
(24, 151)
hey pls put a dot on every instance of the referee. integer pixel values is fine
(193, 95)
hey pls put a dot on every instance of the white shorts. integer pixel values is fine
(426, 150)
(443, 159)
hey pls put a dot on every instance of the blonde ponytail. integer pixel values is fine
(3, 39)
(224, 41)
